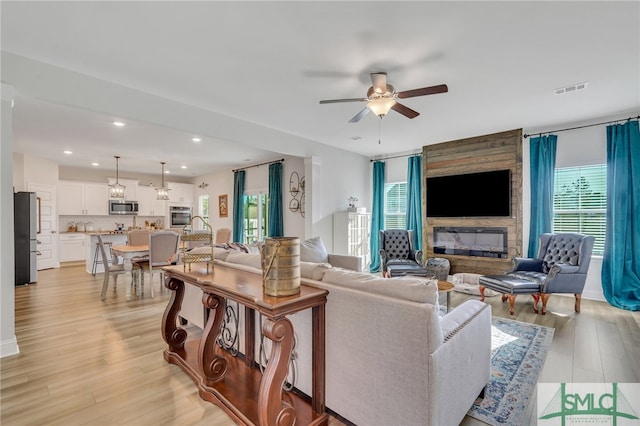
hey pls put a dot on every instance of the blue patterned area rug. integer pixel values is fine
(518, 351)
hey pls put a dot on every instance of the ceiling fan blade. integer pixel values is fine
(379, 80)
(359, 115)
(333, 101)
(442, 88)
(406, 111)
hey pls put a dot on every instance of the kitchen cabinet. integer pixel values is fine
(148, 203)
(130, 188)
(351, 232)
(72, 247)
(181, 193)
(82, 198)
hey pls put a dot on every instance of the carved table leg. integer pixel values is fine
(173, 335)
(319, 359)
(272, 410)
(213, 366)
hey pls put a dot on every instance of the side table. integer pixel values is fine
(233, 384)
(446, 287)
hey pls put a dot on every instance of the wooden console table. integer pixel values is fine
(236, 385)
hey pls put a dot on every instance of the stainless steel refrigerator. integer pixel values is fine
(25, 229)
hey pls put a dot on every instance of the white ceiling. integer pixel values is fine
(269, 63)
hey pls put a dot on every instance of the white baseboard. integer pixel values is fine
(9, 347)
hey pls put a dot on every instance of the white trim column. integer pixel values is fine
(8, 341)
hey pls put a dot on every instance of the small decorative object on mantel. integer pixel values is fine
(223, 205)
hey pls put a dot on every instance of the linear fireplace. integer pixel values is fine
(471, 241)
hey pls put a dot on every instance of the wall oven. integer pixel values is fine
(179, 216)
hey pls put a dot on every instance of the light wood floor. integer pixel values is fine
(87, 362)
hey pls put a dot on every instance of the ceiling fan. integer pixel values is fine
(382, 97)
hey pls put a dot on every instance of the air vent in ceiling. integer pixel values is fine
(571, 88)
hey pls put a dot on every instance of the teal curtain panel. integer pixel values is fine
(414, 199)
(377, 214)
(621, 259)
(275, 226)
(238, 206)
(542, 150)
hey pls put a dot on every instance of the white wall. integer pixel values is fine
(580, 147)
(28, 169)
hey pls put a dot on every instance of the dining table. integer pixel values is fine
(128, 253)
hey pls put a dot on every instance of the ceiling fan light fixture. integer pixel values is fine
(162, 192)
(116, 190)
(381, 106)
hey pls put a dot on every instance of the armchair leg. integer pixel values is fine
(578, 299)
(512, 302)
(481, 288)
(536, 299)
(545, 298)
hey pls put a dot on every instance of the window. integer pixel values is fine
(255, 218)
(395, 205)
(580, 202)
(203, 209)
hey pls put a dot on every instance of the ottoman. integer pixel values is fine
(510, 286)
(406, 269)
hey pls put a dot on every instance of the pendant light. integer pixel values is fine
(162, 192)
(116, 190)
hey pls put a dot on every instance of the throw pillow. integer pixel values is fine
(313, 271)
(313, 250)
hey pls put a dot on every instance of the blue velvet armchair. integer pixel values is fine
(397, 255)
(560, 267)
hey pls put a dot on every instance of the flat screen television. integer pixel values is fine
(484, 194)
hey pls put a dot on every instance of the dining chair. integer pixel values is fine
(138, 237)
(223, 236)
(163, 251)
(110, 269)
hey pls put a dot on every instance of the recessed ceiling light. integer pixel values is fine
(94, 164)
(183, 167)
(118, 124)
(355, 138)
(68, 152)
(196, 139)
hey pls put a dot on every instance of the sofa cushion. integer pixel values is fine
(414, 289)
(313, 250)
(248, 259)
(313, 271)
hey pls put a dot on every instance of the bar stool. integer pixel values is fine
(97, 255)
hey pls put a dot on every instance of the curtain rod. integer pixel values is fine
(582, 127)
(258, 165)
(397, 156)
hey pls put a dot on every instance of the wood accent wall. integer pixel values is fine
(498, 151)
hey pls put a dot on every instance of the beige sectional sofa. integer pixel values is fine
(390, 358)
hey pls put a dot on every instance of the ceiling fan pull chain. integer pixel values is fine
(379, 124)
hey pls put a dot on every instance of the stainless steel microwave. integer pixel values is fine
(123, 207)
